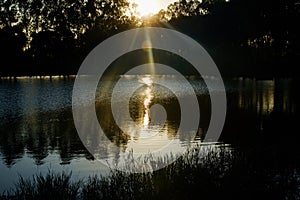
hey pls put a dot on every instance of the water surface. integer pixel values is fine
(37, 132)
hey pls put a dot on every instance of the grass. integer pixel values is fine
(201, 174)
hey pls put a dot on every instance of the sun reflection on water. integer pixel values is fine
(148, 94)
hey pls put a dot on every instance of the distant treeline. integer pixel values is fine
(244, 37)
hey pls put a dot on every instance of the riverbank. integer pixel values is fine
(210, 173)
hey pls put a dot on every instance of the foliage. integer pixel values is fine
(50, 34)
(41, 37)
(210, 173)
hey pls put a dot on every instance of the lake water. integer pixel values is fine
(37, 131)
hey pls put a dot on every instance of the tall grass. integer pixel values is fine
(201, 174)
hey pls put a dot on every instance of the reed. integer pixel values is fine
(202, 173)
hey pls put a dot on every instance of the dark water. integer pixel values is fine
(37, 132)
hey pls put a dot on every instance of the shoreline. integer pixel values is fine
(72, 76)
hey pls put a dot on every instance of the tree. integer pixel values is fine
(50, 33)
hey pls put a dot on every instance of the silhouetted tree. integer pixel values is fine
(53, 33)
(12, 41)
(54, 36)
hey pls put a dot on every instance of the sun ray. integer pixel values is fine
(150, 54)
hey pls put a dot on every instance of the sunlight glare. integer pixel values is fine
(147, 80)
(148, 7)
(148, 98)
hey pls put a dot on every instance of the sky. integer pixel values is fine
(146, 7)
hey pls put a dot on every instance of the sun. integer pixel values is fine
(147, 7)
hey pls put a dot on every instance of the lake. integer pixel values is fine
(37, 132)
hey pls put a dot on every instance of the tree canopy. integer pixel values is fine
(40, 37)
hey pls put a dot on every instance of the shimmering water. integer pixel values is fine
(37, 132)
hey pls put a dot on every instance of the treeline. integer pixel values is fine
(244, 37)
(52, 37)
(258, 38)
